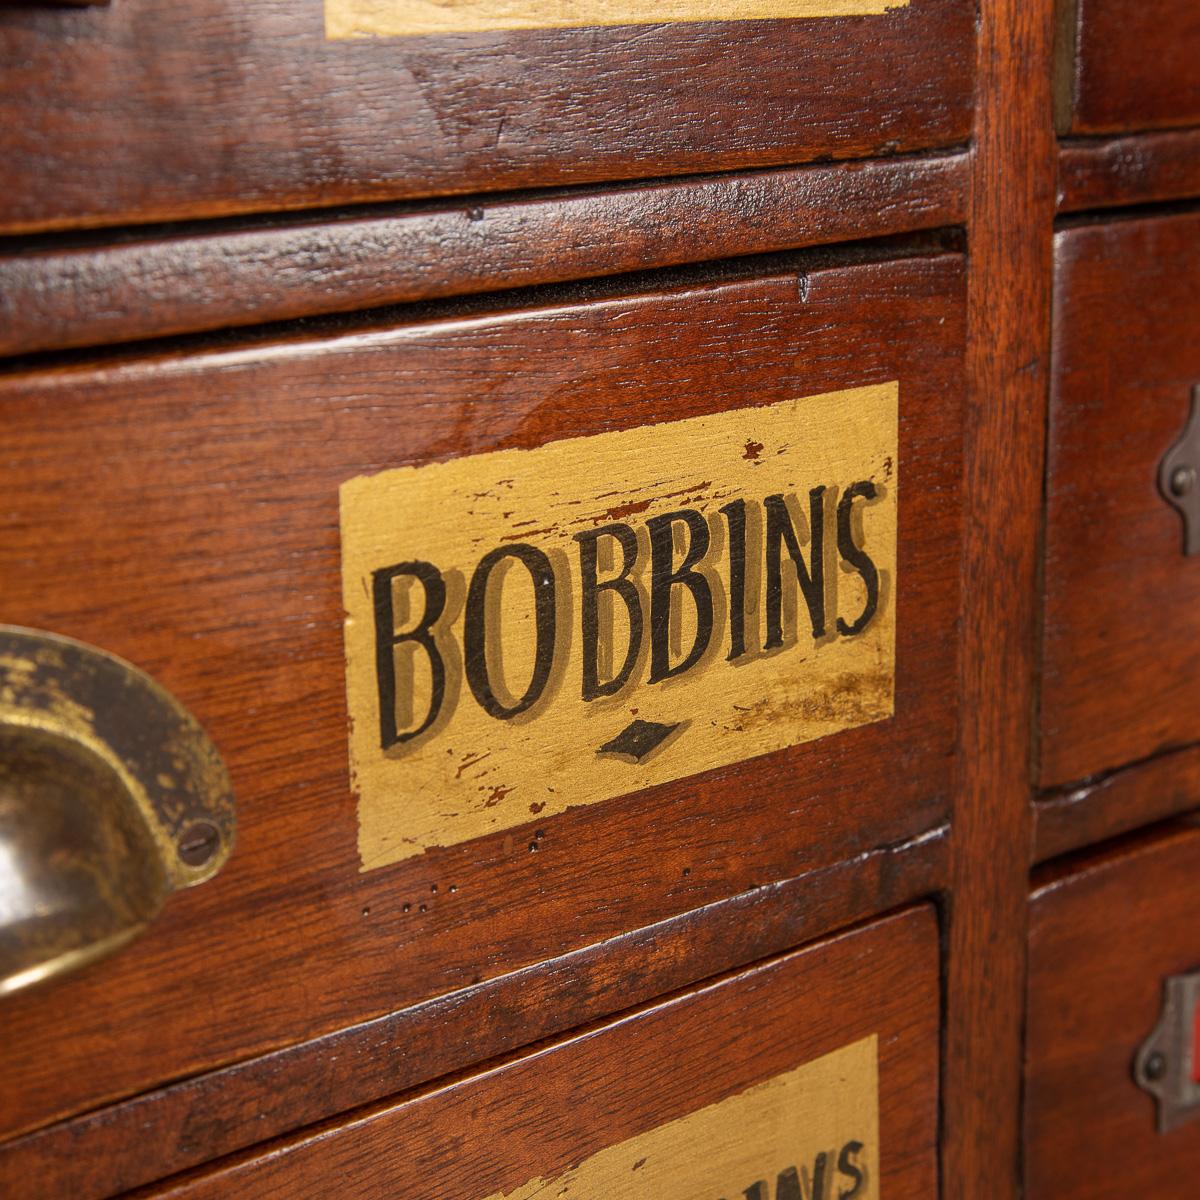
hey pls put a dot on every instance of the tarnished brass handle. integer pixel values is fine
(111, 798)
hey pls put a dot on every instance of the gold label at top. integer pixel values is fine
(406, 18)
(811, 1134)
(530, 630)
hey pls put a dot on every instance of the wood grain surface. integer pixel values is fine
(1009, 232)
(116, 115)
(1121, 647)
(1142, 168)
(206, 1116)
(105, 288)
(1104, 934)
(181, 511)
(540, 1116)
(1116, 802)
(1135, 66)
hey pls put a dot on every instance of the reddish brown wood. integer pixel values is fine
(1122, 623)
(212, 1115)
(1116, 803)
(1104, 935)
(116, 115)
(1142, 169)
(182, 512)
(1135, 65)
(1011, 212)
(542, 1115)
(109, 291)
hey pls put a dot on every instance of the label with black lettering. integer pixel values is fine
(811, 1134)
(532, 630)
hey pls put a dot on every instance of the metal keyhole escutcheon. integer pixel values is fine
(1179, 477)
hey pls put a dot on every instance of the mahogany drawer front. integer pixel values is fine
(1122, 600)
(183, 513)
(762, 1085)
(227, 108)
(1105, 936)
(1133, 65)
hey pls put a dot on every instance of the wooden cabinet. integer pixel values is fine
(814, 1074)
(654, 523)
(122, 114)
(1106, 933)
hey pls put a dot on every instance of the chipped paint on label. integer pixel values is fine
(408, 18)
(811, 1133)
(531, 630)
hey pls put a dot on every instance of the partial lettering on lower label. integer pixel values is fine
(811, 1134)
(532, 630)
(408, 18)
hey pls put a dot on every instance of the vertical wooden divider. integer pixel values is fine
(1010, 236)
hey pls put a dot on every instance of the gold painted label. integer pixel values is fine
(811, 1134)
(406, 18)
(531, 630)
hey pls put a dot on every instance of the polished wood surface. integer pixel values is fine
(568, 233)
(1104, 934)
(1117, 802)
(1134, 65)
(1122, 618)
(1010, 217)
(1098, 173)
(217, 1113)
(246, 273)
(209, 555)
(541, 1116)
(124, 114)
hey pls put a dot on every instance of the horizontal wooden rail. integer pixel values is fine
(1116, 803)
(1144, 168)
(118, 291)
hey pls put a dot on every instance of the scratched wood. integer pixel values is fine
(1105, 932)
(1121, 645)
(204, 547)
(754, 1087)
(1133, 65)
(115, 114)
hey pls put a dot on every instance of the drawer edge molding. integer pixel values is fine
(108, 292)
(1114, 172)
(1115, 803)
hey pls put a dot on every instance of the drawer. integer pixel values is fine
(1106, 936)
(1128, 64)
(1121, 677)
(756, 1086)
(569, 782)
(239, 107)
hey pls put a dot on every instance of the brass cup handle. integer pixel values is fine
(111, 798)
